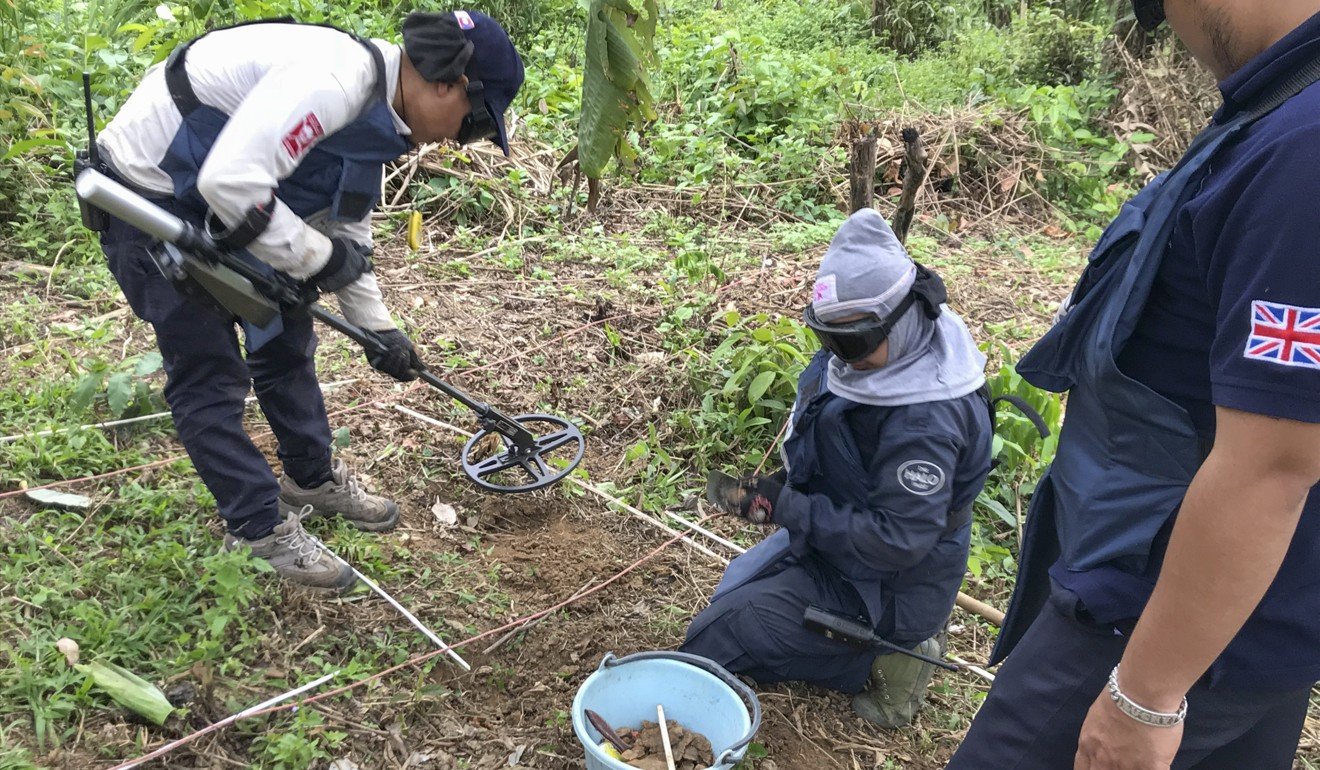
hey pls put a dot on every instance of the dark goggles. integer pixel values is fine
(855, 340)
(479, 123)
(1149, 13)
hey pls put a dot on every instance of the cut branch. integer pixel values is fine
(915, 160)
(861, 173)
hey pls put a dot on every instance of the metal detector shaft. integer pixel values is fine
(121, 202)
(488, 416)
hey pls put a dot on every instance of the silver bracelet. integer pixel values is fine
(1141, 713)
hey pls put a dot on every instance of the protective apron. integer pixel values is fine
(342, 173)
(1126, 454)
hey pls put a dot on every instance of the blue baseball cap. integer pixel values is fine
(443, 46)
(495, 63)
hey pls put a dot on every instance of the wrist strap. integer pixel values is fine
(1141, 713)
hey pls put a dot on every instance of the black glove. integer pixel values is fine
(398, 359)
(348, 260)
(760, 495)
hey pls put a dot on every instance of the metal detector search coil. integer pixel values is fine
(504, 456)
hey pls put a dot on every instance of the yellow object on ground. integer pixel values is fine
(415, 230)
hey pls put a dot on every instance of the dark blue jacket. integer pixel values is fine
(1179, 314)
(883, 496)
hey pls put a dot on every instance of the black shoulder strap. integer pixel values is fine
(1026, 409)
(1022, 406)
(185, 98)
(1286, 89)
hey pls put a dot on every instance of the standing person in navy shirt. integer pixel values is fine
(273, 136)
(889, 444)
(1167, 612)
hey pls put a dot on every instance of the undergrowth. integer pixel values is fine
(751, 96)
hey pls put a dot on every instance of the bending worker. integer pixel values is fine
(1167, 608)
(273, 136)
(889, 444)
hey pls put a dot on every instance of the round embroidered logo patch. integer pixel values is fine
(921, 477)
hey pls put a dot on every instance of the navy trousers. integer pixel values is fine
(208, 380)
(756, 629)
(1035, 710)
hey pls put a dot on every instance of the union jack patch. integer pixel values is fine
(1284, 334)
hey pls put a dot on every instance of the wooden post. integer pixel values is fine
(861, 173)
(914, 157)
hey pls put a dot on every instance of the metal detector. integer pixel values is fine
(854, 633)
(188, 256)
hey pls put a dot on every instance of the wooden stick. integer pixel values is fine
(664, 737)
(640, 516)
(978, 607)
(915, 157)
(861, 173)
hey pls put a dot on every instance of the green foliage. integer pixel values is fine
(1021, 455)
(127, 392)
(119, 601)
(912, 26)
(1056, 50)
(299, 744)
(1088, 174)
(616, 89)
(748, 383)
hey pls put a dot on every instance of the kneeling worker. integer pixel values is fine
(888, 446)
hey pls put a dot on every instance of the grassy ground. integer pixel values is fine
(664, 322)
(590, 321)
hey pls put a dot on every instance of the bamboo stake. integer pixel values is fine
(411, 618)
(131, 420)
(978, 607)
(664, 736)
(986, 675)
(641, 516)
(231, 719)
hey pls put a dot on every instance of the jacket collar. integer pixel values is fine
(1280, 60)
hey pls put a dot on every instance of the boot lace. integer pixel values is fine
(355, 491)
(300, 541)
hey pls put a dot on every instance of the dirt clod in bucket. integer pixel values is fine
(691, 749)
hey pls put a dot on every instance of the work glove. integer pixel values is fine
(348, 261)
(758, 497)
(398, 359)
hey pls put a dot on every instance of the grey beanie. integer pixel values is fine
(865, 270)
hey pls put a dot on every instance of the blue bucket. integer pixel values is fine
(695, 691)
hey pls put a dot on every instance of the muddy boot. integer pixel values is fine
(341, 496)
(298, 557)
(897, 688)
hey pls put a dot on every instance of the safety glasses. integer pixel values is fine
(479, 123)
(854, 340)
(1149, 13)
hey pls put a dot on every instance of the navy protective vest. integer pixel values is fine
(823, 456)
(1126, 454)
(341, 173)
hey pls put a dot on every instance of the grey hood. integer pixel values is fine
(866, 270)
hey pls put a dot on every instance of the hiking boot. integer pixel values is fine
(341, 496)
(897, 689)
(298, 557)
